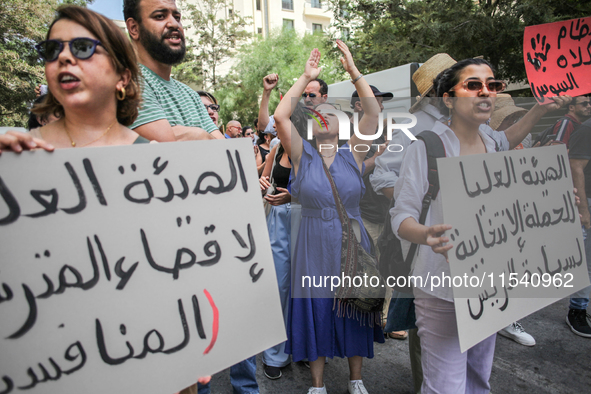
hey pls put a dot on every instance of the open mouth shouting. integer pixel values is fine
(68, 81)
(485, 105)
(174, 37)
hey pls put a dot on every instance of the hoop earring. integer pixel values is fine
(121, 94)
(449, 118)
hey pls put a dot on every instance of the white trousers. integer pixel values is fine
(446, 370)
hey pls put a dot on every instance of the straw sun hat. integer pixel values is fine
(504, 106)
(424, 76)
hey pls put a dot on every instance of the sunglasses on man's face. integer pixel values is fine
(213, 107)
(312, 95)
(493, 86)
(81, 48)
(584, 103)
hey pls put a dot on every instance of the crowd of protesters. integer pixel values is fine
(106, 90)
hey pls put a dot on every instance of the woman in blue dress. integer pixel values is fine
(317, 327)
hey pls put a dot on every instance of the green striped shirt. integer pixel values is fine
(171, 100)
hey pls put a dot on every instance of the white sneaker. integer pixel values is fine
(357, 387)
(317, 390)
(515, 332)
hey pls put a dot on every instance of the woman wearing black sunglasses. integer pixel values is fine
(467, 92)
(92, 74)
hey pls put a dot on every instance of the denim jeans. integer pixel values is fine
(580, 299)
(242, 377)
(279, 226)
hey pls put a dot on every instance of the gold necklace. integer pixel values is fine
(88, 143)
(329, 156)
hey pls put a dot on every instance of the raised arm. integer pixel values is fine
(292, 142)
(269, 83)
(516, 133)
(371, 108)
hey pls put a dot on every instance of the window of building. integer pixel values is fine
(258, 5)
(287, 4)
(316, 4)
(260, 30)
(230, 12)
(316, 27)
(288, 24)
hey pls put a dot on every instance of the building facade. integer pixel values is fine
(305, 16)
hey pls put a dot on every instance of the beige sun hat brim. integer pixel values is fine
(504, 106)
(424, 76)
(499, 116)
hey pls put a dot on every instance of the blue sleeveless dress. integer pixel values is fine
(315, 329)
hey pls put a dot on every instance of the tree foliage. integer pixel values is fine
(23, 23)
(389, 33)
(283, 52)
(219, 31)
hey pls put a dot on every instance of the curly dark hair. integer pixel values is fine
(244, 130)
(120, 51)
(131, 9)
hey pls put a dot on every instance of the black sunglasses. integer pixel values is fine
(584, 103)
(81, 48)
(312, 95)
(213, 107)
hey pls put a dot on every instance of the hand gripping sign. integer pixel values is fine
(557, 58)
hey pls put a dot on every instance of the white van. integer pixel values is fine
(397, 80)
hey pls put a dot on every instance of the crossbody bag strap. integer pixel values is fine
(343, 216)
(435, 150)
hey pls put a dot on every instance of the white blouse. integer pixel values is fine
(409, 191)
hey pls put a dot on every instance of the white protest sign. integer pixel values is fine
(130, 269)
(518, 244)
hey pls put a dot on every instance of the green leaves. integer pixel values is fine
(390, 33)
(22, 24)
(218, 30)
(284, 52)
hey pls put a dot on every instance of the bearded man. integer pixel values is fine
(170, 110)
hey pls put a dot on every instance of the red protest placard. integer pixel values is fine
(557, 58)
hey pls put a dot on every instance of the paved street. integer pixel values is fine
(560, 363)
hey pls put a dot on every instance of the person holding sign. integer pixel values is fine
(579, 155)
(279, 223)
(92, 73)
(316, 329)
(468, 90)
